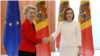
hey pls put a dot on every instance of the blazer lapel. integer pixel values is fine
(30, 25)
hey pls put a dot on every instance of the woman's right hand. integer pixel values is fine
(50, 38)
(45, 40)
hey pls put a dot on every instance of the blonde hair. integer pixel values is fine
(26, 8)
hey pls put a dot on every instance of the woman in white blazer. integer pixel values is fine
(70, 41)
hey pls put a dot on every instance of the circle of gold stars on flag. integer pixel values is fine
(10, 24)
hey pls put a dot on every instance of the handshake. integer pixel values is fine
(45, 40)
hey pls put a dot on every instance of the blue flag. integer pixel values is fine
(11, 37)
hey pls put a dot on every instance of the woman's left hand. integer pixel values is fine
(37, 45)
(79, 52)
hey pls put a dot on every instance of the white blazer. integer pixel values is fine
(70, 34)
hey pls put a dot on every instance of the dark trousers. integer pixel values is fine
(24, 53)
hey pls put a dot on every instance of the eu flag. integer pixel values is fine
(11, 37)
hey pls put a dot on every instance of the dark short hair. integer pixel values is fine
(64, 15)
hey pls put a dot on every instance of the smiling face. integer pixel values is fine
(31, 14)
(69, 15)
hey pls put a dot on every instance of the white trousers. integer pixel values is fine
(68, 51)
